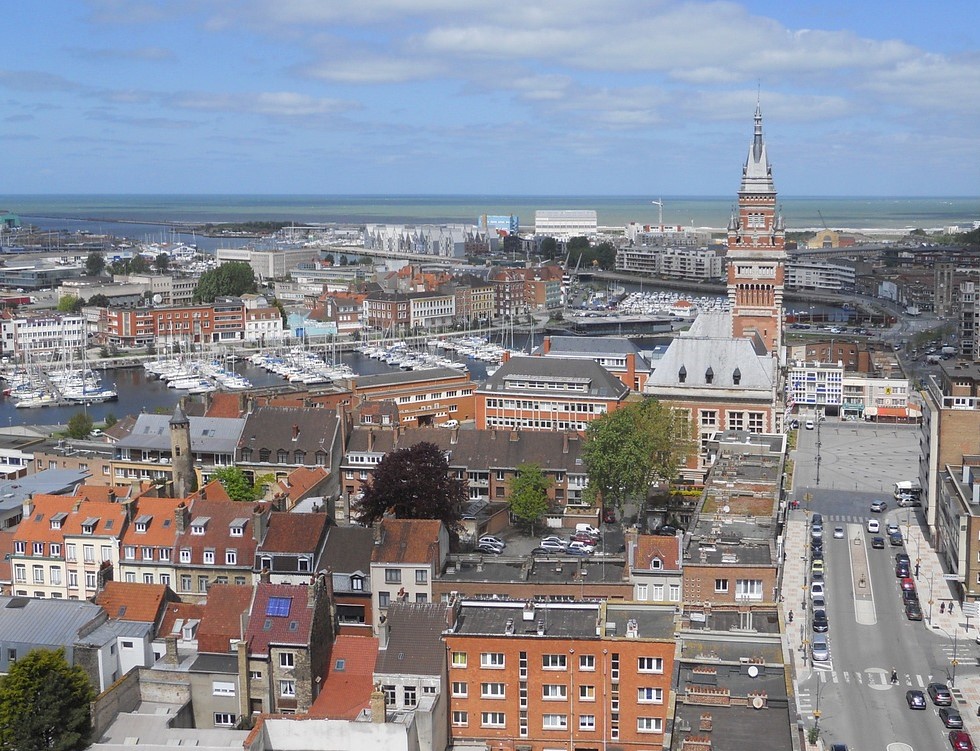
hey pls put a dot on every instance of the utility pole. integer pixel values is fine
(819, 420)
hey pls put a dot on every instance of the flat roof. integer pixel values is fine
(576, 620)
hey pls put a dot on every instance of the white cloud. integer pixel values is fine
(276, 104)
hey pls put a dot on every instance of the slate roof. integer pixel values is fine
(349, 681)
(414, 639)
(48, 481)
(221, 620)
(478, 449)
(348, 550)
(600, 382)
(408, 541)
(133, 601)
(209, 435)
(405, 377)
(595, 345)
(273, 428)
(269, 625)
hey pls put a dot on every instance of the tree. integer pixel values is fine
(548, 247)
(628, 449)
(232, 279)
(99, 301)
(68, 303)
(414, 483)
(162, 262)
(282, 313)
(94, 263)
(44, 704)
(236, 484)
(529, 494)
(79, 426)
(110, 419)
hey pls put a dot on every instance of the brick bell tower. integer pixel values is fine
(756, 253)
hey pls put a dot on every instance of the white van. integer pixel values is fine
(588, 529)
(874, 527)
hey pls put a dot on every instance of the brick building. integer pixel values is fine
(424, 397)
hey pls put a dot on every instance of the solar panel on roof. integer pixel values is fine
(278, 606)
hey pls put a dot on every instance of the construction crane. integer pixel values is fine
(823, 220)
(660, 204)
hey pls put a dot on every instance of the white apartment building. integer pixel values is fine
(819, 275)
(672, 262)
(427, 311)
(268, 263)
(566, 223)
(45, 335)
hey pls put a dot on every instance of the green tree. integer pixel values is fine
(94, 263)
(529, 494)
(548, 247)
(79, 426)
(232, 279)
(68, 303)
(162, 262)
(236, 484)
(99, 301)
(110, 420)
(282, 313)
(414, 483)
(628, 449)
(44, 704)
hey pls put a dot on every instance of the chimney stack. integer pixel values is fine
(564, 443)
(258, 524)
(378, 712)
(182, 517)
(295, 432)
(171, 657)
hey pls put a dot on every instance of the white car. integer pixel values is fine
(817, 589)
(449, 424)
(808, 424)
(579, 545)
(491, 540)
(838, 533)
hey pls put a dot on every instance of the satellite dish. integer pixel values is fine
(758, 702)
(157, 298)
(753, 671)
(726, 509)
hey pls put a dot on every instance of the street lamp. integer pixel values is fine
(954, 661)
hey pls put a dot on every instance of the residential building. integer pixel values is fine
(17, 455)
(820, 276)
(347, 556)
(277, 440)
(684, 263)
(547, 393)
(424, 397)
(14, 493)
(287, 642)
(656, 567)
(509, 294)
(268, 263)
(408, 555)
(447, 241)
(220, 321)
(36, 337)
(291, 551)
(618, 355)
(387, 311)
(431, 310)
(573, 674)
(216, 544)
(147, 545)
(566, 223)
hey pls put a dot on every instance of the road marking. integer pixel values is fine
(847, 677)
(882, 684)
(919, 679)
(860, 677)
(864, 605)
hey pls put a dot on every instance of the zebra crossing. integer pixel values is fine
(873, 677)
(846, 518)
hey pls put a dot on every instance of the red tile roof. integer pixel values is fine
(295, 533)
(158, 514)
(222, 619)
(179, 611)
(350, 679)
(102, 492)
(301, 481)
(287, 620)
(224, 404)
(408, 541)
(132, 601)
(217, 531)
(667, 549)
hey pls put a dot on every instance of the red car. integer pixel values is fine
(960, 740)
(908, 584)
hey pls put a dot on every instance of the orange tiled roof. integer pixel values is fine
(221, 620)
(179, 611)
(101, 492)
(158, 516)
(349, 681)
(36, 526)
(224, 404)
(132, 601)
(667, 549)
(301, 480)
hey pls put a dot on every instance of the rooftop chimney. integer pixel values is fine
(171, 657)
(258, 524)
(378, 712)
(295, 432)
(182, 517)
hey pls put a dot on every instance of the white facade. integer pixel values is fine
(27, 336)
(819, 275)
(565, 223)
(673, 263)
(446, 240)
(437, 310)
(814, 385)
(268, 264)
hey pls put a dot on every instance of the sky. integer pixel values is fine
(509, 97)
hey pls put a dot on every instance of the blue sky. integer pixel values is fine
(531, 97)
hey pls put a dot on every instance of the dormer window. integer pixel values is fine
(656, 563)
(357, 583)
(682, 374)
(736, 376)
(237, 527)
(88, 526)
(305, 565)
(200, 526)
(58, 519)
(709, 375)
(142, 523)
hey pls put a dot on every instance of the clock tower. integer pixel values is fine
(756, 253)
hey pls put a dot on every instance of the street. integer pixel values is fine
(869, 635)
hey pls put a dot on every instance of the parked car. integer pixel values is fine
(449, 424)
(816, 532)
(879, 507)
(902, 570)
(585, 537)
(809, 424)
(491, 540)
(892, 529)
(577, 551)
(910, 595)
(542, 551)
(895, 540)
(553, 544)
(820, 649)
(817, 589)
(913, 611)
(819, 603)
(489, 549)
(820, 622)
(816, 566)
(588, 547)
(902, 558)
(666, 530)
(960, 740)
(609, 516)
(951, 718)
(878, 543)
(907, 584)
(874, 527)
(588, 529)
(940, 694)
(916, 699)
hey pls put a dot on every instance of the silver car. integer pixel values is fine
(820, 649)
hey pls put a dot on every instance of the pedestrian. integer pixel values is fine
(942, 608)
(894, 676)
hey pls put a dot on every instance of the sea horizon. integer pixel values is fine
(893, 213)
